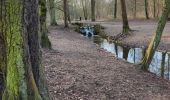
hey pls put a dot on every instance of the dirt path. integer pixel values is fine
(77, 69)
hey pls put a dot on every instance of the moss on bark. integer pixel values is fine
(156, 39)
(19, 79)
(45, 42)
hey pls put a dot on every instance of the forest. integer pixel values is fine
(84, 49)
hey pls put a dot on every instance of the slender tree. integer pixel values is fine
(115, 9)
(52, 12)
(84, 5)
(68, 14)
(45, 42)
(93, 10)
(135, 3)
(146, 9)
(124, 17)
(156, 39)
(154, 8)
(65, 13)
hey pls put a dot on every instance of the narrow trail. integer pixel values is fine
(77, 69)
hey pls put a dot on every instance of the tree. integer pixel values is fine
(146, 9)
(52, 12)
(156, 39)
(93, 10)
(65, 13)
(45, 42)
(115, 9)
(84, 5)
(135, 8)
(68, 13)
(124, 17)
(19, 34)
(154, 8)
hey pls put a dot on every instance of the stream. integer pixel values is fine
(160, 64)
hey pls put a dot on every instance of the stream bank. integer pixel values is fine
(78, 69)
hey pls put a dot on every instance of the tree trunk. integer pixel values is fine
(135, 8)
(93, 10)
(52, 12)
(156, 39)
(45, 42)
(84, 9)
(154, 8)
(146, 9)
(124, 17)
(2, 63)
(20, 25)
(115, 9)
(68, 13)
(65, 13)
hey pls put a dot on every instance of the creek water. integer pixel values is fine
(160, 64)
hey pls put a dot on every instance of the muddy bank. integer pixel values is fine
(78, 69)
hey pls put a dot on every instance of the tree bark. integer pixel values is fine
(93, 10)
(124, 17)
(2, 64)
(52, 12)
(156, 39)
(45, 42)
(19, 26)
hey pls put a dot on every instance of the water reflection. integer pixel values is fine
(159, 64)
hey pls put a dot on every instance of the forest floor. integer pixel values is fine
(78, 69)
(143, 32)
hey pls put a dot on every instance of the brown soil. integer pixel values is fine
(78, 69)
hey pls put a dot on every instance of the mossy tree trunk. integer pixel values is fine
(2, 63)
(93, 2)
(156, 39)
(45, 42)
(19, 26)
(52, 12)
(124, 17)
(34, 42)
